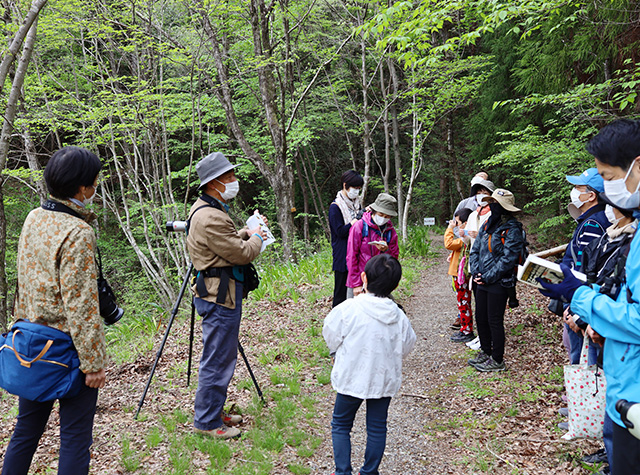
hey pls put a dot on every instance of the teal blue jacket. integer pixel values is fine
(619, 322)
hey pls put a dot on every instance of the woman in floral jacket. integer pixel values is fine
(57, 287)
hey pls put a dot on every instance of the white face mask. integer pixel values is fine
(380, 220)
(88, 201)
(608, 211)
(353, 193)
(230, 190)
(575, 197)
(480, 197)
(617, 192)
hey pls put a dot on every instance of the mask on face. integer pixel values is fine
(88, 201)
(616, 191)
(608, 211)
(480, 197)
(353, 193)
(380, 220)
(575, 197)
(230, 190)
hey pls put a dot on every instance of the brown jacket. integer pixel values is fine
(214, 241)
(57, 280)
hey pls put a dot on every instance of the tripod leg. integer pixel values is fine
(193, 319)
(255, 382)
(174, 312)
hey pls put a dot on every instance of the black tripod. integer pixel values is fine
(174, 312)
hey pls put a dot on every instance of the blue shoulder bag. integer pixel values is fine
(39, 363)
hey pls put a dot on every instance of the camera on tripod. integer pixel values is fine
(177, 226)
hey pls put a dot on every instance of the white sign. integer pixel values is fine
(429, 221)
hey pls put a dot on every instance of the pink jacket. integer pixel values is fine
(359, 251)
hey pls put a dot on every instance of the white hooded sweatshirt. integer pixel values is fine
(369, 336)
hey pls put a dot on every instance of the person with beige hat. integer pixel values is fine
(493, 262)
(370, 236)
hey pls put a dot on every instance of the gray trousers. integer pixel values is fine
(220, 328)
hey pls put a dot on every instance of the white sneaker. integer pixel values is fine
(474, 344)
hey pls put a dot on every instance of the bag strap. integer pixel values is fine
(584, 354)
(24, 362)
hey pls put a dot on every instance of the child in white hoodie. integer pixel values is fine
(369, 336)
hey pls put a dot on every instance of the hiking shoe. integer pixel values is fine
(460, 337)
(456, 324)
(564, 411)
(474, 344)
(490, 365)
(563, 426)
(222, 432)
(231, 419)
(596, 457)
(480, 358)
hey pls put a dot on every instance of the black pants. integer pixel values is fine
(76, 426)
(490, 309)
(625, 459)
(340, 287)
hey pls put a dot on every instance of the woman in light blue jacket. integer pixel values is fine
(616, 149)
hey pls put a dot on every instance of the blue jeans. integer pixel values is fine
(76, 427)
(607, 437)
(220, 328)
(344, 412)
(576, 340)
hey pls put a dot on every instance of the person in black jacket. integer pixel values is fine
(493, 262)
(344, 211)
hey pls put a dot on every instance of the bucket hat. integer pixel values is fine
(212, 166)
(505, 199)
(488, 184)
(590, 178)
(385, 203)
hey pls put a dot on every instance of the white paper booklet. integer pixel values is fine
(535, 267)
(372, 243)
(255, 221)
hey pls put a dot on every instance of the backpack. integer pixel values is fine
(524, 252)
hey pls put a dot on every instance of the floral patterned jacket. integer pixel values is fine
(57, 280)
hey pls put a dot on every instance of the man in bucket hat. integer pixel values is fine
(217, 248)
(370, 236)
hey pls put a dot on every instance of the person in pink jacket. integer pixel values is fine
(370, 236)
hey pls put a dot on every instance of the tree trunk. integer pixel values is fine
(393, 110)
(305, 199)
(452, 158)
(280, 177)
(386, 177)
(5, 137)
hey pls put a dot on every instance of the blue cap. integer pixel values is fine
(590, 178)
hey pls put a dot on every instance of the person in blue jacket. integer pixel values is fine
(592, 224)
(616, 149)
(344, 211)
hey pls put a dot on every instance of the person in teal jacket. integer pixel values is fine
(616, 149)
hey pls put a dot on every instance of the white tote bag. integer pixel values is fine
(586, 391)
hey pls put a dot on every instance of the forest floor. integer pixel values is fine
(447, 418)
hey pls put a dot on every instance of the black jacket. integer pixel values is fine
(491, 257)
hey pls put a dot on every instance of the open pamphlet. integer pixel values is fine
(255, 221)
(373, 243)
(535, 267)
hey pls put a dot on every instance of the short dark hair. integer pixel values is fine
(463, 214)
(352, 178)
(383, 275)
(70, 168)
(617, 144)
